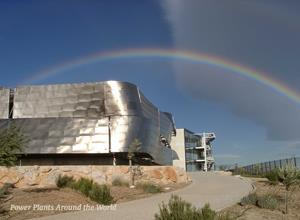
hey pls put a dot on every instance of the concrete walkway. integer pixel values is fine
(217, 190)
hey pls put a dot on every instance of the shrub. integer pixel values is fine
(273, 176)
(251, 199)
(100, 194)
(178, 209)
(208, 213)
(96, 192)
(149, 187)
(64, 181)
(119, 182)
(289, 176)
(83, 185)
(4, 189)
(268, 201)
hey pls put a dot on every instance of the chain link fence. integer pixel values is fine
(266, 167)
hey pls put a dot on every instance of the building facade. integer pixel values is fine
(194, 151)
(88, 123)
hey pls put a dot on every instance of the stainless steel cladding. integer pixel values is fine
(103, 117)
(4, 100)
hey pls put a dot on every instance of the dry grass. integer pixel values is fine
(264, 187)
(63, 196)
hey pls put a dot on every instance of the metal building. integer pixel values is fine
(88, 123)
(194, 151)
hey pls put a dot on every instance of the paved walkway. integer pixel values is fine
(217, 190)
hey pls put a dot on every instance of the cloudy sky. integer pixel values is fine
(252, 121)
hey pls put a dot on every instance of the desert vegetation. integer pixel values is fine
(101, 193)
(267, 201)
(277, 195)
(118, 181)
(149, 187)
(95, 191)
(178, 209)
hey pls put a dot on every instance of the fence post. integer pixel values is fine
(265, 167)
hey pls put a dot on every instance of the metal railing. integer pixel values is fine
(266, 167)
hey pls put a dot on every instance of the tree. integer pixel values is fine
(134, 147)
(12, 142)
(289, 176)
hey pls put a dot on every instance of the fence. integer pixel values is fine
(271, 165)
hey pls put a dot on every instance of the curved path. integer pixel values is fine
(217, 190)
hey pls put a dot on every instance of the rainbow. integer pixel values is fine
(182, 55)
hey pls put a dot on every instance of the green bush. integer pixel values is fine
(65, 181)
(273, 176)
(289, 176)
(178, 209)
(251, 199)
(119, 182)
(268, 201)
(4, 189)
(208, 213)
(3, 192)
(148, 187)
(101, 194)
(96, 192)
(83, 185)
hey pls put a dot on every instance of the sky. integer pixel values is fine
(252, 122)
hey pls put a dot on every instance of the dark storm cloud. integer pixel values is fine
(262, 36)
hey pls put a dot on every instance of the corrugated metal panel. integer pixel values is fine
(77, 118)
(4, 102)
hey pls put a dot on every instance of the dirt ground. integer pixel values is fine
(251, 212)
(45, 197)
(50, 201)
